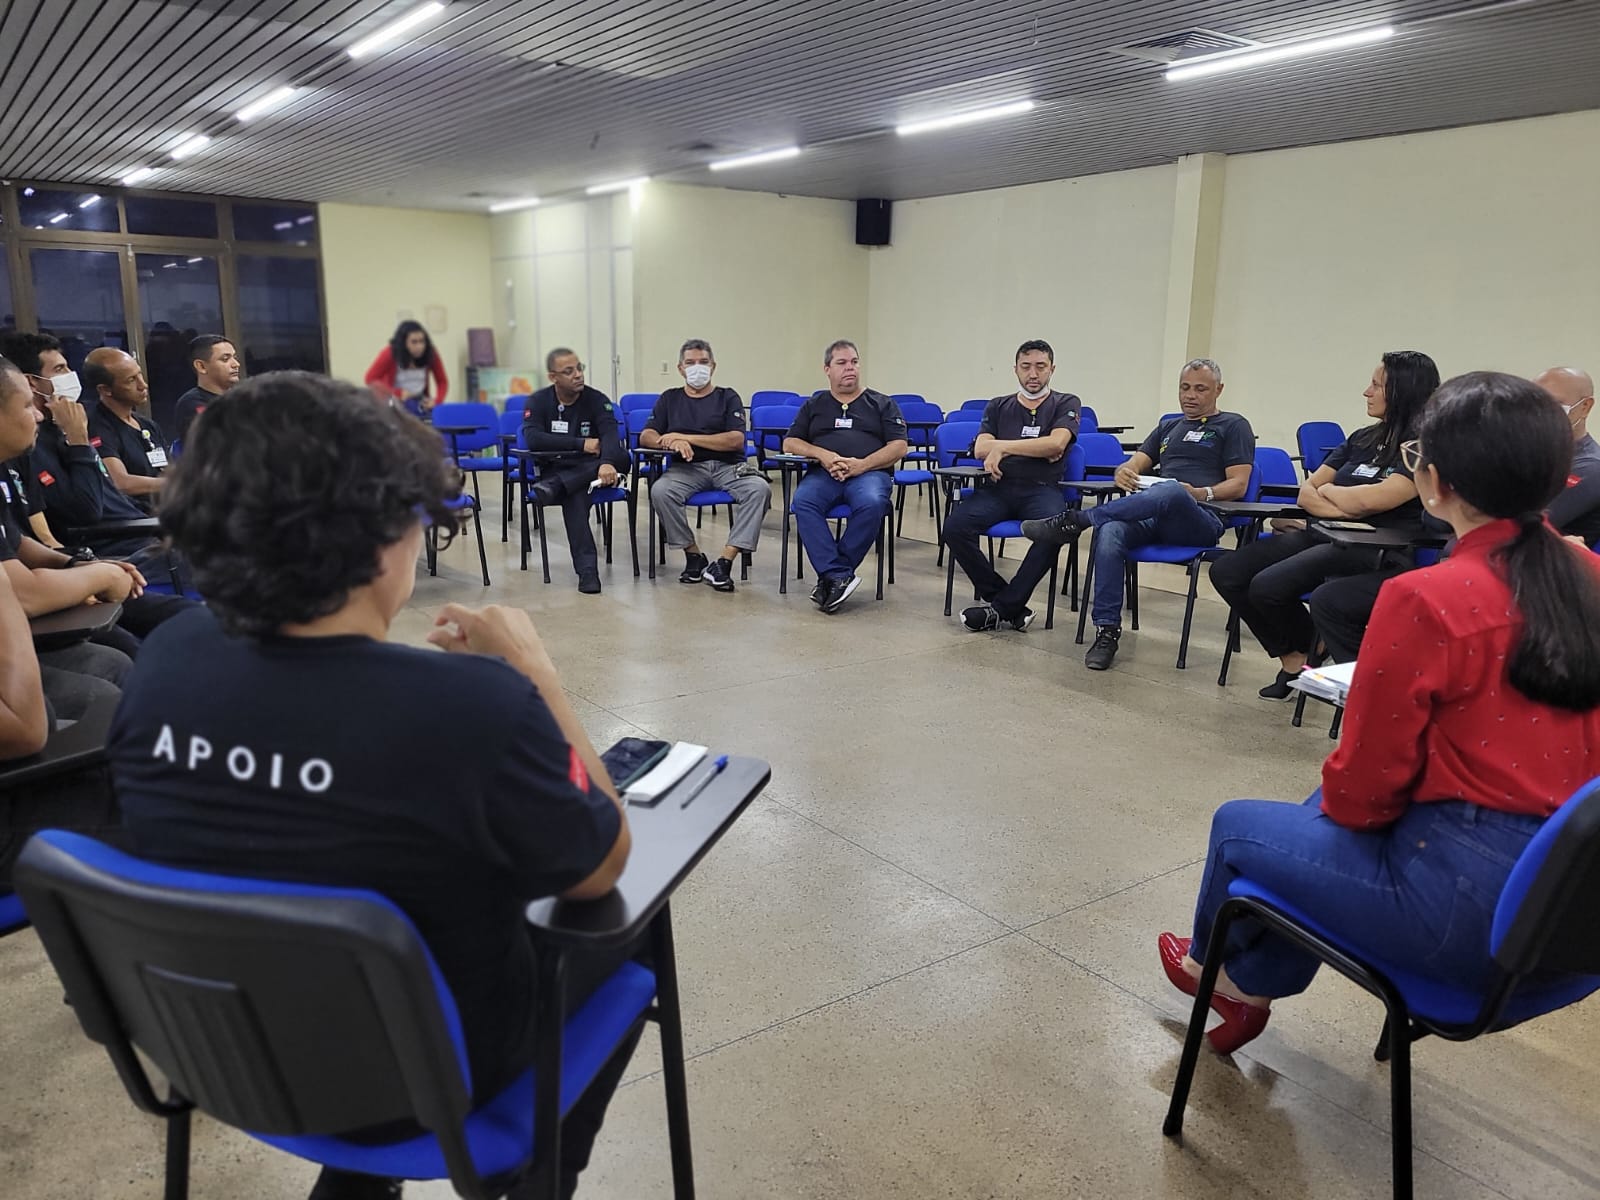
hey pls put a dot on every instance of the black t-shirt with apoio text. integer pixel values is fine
(1008, 419)
(323, 761)
(855, 430)
(1199, 450)
(718, 411)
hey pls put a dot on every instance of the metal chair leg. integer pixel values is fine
(483, 558)
(672, 1066)
(177, 1166)
(1188, 613)
(1172, 1127)
(1088, 585)
(546, 1170)
(1400, 1104)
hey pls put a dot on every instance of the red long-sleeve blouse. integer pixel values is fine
(1431, 713)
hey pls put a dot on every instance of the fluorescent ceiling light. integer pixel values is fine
(133, 177)
(280, 225)
(513, 205)
(1015, 108)
(621, 185)
(194, 260)
(306, 220)
(394, 29)
(752, 160)
(267, 103)
(27, 191)
(1237, 60)
(168, 266)
(58, 218)
(190, 146)
(89, 202)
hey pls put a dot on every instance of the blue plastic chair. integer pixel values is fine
(921, 455)
(952, 447)
(768, 424)
(1188, 557)
(974, 406)
(634, 401)
(763, 398)
(652, 469)
(1315, 439)
(12, 917)
(1088, 422)
(430, 540)
(1102, 454)
(1542, 956)
(510, 435)
(466, 450)
(292, 1011)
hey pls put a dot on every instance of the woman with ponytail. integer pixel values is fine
(1471, 718)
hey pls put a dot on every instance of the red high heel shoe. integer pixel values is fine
(1241, 1022)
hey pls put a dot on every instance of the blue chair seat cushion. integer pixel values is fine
(462, 501)
(1005, 529)
(708, 499)
(913, 476)
(608, 495)
(488, 462)
(500, 1134)
(1437, 1001)
(11, 914)
(1171, 554)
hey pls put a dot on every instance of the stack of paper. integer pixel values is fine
(1149, 481)
(678, 762)
(1330, 683)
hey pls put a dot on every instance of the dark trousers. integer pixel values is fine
(80, 801)
(1341, 608)
(1264, 582)
(989, 505)
(568, 484)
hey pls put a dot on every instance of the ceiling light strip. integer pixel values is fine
(1238, 60)
(756, 159)
(972, 117)
(620, 185)
(266, 104)
(394, 29)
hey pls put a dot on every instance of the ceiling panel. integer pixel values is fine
(504, 98)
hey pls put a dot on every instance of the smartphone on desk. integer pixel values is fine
(1356, 526)
(631, 758)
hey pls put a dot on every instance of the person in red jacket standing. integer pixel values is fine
(1473, 715)
(410, 370)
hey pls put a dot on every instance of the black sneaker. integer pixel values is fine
(822, 595)
(1279, 688)
(694, 569)
(839, 593)
(1104, 650)
(1060, 529)
(720, 574)
(980, 618)
(1020, 623)
(589, 584)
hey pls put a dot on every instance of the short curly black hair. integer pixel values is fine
(287, 490)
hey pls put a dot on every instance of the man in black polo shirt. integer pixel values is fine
(1202, 454)
(132, 447)
(579, 423)
(856, 435)
(216, 369)
(705, 427)
(1021, 442)
(278, 734)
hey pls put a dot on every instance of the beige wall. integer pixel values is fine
(382, 265)
(767, 280)
(1082, 263)
(1479, 246)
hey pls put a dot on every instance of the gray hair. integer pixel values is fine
(1202, 364)
(827, 355)
(696, 344)
(558, 352)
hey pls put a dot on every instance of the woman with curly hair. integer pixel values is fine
(409, 370)
(278, 734)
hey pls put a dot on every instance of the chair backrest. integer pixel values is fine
(1274, 466)
(1102, 454)
(904, 398)
(775, 397)
(1088, 422)
(953, 440)
(279, 1008)
(1072, 468)
(974, 406)
(482, 417)
(635, 400)
(769, 422)
(511, 420)
(517, 405)
(1314, 438)
(914, 408)
(1550, 905)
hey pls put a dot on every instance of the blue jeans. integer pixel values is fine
(1420, 893)
(868, 498)
(1165, 514)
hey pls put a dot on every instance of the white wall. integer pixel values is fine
(768, 280)
(563, 276)
(383, 265)
(1082, 263)
(1479, 246)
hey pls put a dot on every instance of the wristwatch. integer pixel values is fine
(78, 554)
(1211, 493)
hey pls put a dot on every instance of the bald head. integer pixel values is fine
(1574, 391)
(113, 377)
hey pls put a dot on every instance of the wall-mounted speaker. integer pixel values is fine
(872, 222)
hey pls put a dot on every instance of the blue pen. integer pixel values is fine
(716, 769)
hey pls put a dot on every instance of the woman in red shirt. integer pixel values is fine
(1471, 718)
(410, 370)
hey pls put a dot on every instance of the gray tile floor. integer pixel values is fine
(923, 965)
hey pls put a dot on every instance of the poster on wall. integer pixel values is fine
(491, 385)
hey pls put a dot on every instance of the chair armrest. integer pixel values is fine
(81, 744)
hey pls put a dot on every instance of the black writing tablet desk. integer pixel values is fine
(668, 841)
(70, 626)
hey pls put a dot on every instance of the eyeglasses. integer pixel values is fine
(569, 372)
(1411, 455)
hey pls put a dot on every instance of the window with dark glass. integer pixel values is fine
(293, 224)
(78, 296)
(180, 297)
(62, 211)
(8, 314)
(165, 217)
(280, 313)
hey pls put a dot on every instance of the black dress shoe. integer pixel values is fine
(349, 1185)
(546, 491)
(1279, 688)
(589, 584)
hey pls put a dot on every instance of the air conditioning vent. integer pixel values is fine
(1182, 45)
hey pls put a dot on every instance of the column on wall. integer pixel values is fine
(1192, 275)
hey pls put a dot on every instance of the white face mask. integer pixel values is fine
(67, 385)
(1039, 395)
(697, 375)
